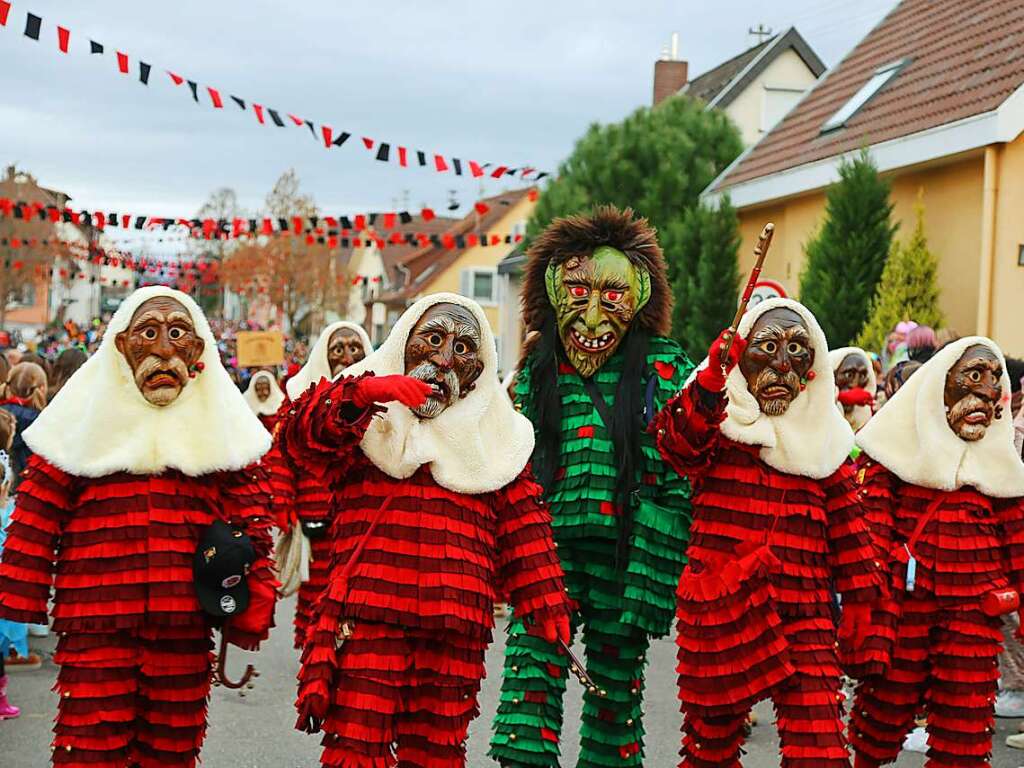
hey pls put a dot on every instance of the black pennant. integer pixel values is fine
(342, 138)
(405, 217)
(144, 69)
(32, 24)
(95, 47)
(239, 102)
(282, 224)
(275, 117)
(195, 90)
(458, 166)
(383, 151)
(346, 222)
(312, 129)
(140, 221)
(421, 157)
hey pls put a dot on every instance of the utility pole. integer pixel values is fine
(761, 32)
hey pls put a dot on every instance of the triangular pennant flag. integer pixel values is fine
(481, 208)
(194, 87)
(427, 214)
(498, 172)
(258, 109)
(239, 102)
(368, 143)
(144, 69)
(275, 117)
(383, 151)
(475, 169)
(178, 79)
(32, 24)
(421, 157)
(5, 9)
(63, 38)
(326, 131)
(296, 120)
(457, 165)
(215, 98)
(402, 159)
(312, 128)
(122, 62)
(342, 138)
(440, 164)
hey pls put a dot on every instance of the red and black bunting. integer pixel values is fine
(324, 134)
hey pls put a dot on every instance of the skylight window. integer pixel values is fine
(878, 81)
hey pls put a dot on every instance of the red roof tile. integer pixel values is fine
(965, 58)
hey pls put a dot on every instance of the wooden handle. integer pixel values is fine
(764, 242)
(580, 671)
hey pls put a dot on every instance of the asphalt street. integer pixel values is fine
(255, 731)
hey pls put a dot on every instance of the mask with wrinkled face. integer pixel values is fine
(595, 299)
(778, 357)
(262, 388)
(852, 373)
(973, 393)
(443, 350)
(160, 345)
(344, 348)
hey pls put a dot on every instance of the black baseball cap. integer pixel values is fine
(219, 569)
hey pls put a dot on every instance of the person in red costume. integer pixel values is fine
(945, 491)
(264, 397)
(135, 459)
(436, 516)
(303, 502)
(776, 528)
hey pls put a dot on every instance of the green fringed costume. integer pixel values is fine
(621, 542)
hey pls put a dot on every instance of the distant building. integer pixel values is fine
(755, 88)
(936, 93)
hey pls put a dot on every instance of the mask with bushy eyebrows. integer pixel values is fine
(778, 358)
(443, 350)
(973, 393)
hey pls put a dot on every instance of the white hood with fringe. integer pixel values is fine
(269, 406)
(316, 366)
(861, 413)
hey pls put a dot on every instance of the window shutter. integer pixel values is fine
(466, 283)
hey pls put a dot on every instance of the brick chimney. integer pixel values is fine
(670, 74)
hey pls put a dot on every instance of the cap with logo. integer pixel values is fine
(219, 568)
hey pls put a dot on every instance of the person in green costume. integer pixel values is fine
(597, 367)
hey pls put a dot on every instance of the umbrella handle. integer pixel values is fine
(221, 676)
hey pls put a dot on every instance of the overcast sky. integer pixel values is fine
(512, 82)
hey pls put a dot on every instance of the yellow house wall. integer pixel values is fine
(1007, 309)
(787, 71)
(450, 279)
(952, 197)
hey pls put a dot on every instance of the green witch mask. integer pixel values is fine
(595, 300)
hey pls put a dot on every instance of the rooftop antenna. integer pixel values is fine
(761, 32)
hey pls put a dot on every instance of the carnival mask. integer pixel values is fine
(852, 373)
(161, 347)
(973, 393)
(444, 351)
(344, 348)
(595, 299)
(262, 388)
(778, 360)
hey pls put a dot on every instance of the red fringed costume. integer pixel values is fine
(756, 611)
(134, 648)
(420, 593)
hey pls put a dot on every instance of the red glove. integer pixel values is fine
(385, 389)
(312, 713)
(552, 629)
(856, 396)
(712, 378)
(854, 627)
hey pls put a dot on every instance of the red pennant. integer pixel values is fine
(357, 242)
(389, 221)
(495, 239)
(368, 143)
(54, 214)
(427, 214)
(475, 169)
(448, 241)
(63, 38)
(402, 159)
(18, 264)
(101, 220)
(481, 208)
(326, 131)
(126, 220)
(297, 120)
(331, 222)
(532, 195)
(297, 224)
(360, 222)
(236, 227)
(440, 164)
(499, 172)
(396, 238)
(258, 109)
(268, 227)
(15, 242)
(5, 8)
(178, 79)
(215, 98)
(332, 242)
(472, 240)
(122, 62)
(310, 240)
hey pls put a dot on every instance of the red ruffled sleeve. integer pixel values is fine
(1011, 513)
(29, 556)
(246, 499)
(877, 491)
(858, 567)
(283, 486)
(686, 430)
(529, 571)
(321, 431)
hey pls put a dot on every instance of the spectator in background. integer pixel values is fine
(921, 344)
(13, 356)
(898, 375)
(69, 361)
(895, 349)
(944, 337)
(32, 357)
(23, 397)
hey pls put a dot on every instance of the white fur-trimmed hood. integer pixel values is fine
(477, 445)
(861, 413)
(269, 406)
(316, 366)
(99, 423)
(911, 438)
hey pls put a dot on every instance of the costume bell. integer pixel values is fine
(601, 365)
(435, 514)
(145, 447)
(777, 529)
(945, 489)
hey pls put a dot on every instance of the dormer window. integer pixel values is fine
(881, 78)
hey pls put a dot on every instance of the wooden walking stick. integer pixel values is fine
(577, 668)
(764, 242)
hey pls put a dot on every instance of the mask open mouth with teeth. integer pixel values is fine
(595, 299)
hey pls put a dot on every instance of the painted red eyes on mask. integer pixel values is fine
(578, 291)
(613, 295)
(581, 291)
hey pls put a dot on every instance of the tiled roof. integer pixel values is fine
(965, 57)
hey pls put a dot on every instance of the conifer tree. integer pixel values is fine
(908, 289)
(846, 258)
